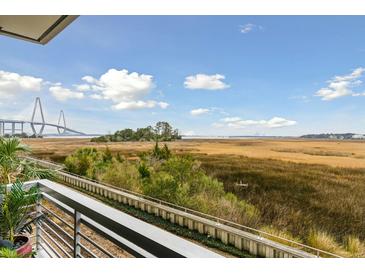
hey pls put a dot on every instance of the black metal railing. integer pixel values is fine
(77, 226)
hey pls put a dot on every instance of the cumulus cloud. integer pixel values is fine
(247, 28)
(204, 81)
(231, 119)
(63, 94)
(119, 85)
(199, 111)
(126, 90)
(82, 87)
(140, 105)
(11, 84)
(89, 79)
(275, 122)
(340, 86)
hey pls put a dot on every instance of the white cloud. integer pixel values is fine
(358, 94)
(82, 87)
(96, 96)
(203, 81)
(340, 86)
(275, 122)
(280, 122)
(249, 28)
(189, 133)
(126, 90)
(11, 84)
(89, 79)
(140, 105)
(353, 76)
(231, 119)
(63, 94)
(218, 125)
(199, 111)
(120, 85)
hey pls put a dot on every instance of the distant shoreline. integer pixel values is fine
(192, 138)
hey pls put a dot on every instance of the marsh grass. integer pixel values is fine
(322, 240)
(317, 152)
(354, 246)
(299, 198)
(280, 233)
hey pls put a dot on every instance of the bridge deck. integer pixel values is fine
(59, 127)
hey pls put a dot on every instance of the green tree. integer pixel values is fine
(162, 131)
(125, 135)
(85, 162)
(122, 174)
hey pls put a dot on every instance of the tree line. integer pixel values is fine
(162, 131)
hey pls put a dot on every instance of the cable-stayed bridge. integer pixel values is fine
(12, 127)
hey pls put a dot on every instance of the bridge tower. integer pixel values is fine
(62, 119)
(37, 125)
(33, 123)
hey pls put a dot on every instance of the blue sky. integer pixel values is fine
(221, 75)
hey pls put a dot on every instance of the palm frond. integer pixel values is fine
(9, 148)
(31, 171)
(15, 210)
(27, 227)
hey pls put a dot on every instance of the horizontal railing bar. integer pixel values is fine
(71, 237)
(153, 239)
(46, 250)
(56, 216)
(44, 162)
(55, 242)
(96, 245)
(87, 250)
(113, 237)
(60, 228)
(28, 206)
(50, 247)
(58, 236)
(68, 210)
(121, 242)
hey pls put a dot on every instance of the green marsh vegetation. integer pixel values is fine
(318, 205)
(163, 175)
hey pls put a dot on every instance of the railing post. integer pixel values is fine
(38, 230)
(77, 237)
